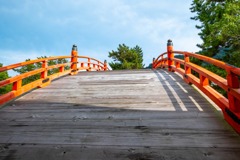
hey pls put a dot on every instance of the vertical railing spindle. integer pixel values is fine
(153, 65)
(105, 65)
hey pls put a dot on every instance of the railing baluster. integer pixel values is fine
(44, 74)
(61, 69)
(153, 65)
(17, 85)
(178, 65)
(186, 60)
(89, 64)
(105, 65)
(187, 69)
(204, 81)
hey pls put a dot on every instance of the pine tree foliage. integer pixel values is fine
(126, 58)
(219, 27)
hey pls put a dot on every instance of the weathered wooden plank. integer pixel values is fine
(115, 115)
(66, 152)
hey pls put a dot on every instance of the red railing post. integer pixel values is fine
(98, 66)
(170, 54)
(89, 64)
(61, 69)
(44, 74)
(74, 60)
(204, 81)
(105, 65)
(187, 69)
(153, 65)
(233, 83)
(163, 62)
(186, 60)
(17, 85)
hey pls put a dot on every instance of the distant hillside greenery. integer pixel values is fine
(126, 58)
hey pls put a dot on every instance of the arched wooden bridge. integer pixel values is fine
(129, 114)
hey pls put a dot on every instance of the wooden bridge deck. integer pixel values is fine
(132, 115)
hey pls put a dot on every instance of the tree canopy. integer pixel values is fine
(219, 27)
(126, 58)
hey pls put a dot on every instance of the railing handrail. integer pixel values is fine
(45, 79)
(25, 63)
(230, 106)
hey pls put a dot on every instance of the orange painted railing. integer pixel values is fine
(74, 67)
(230, 106)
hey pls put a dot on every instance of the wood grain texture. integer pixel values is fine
(132, 115)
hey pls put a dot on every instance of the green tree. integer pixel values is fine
(35, 66)
(220, 32)
(4, 75)
(126, 58)
(219, 27)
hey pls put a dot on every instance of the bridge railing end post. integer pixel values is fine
(170, 54)
(105, 65)
(74, 60)
(153, 63)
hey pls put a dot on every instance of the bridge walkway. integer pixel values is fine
(133, 115)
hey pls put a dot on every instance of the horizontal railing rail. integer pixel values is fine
(201, 78)
(72, 67)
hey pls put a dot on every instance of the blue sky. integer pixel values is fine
(31, 28)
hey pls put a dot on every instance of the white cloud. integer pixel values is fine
(97, 26)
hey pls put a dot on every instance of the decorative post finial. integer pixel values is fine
(169, 42)
(74, 48)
